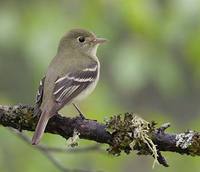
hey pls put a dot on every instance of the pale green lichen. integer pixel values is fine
(131, 132)
(189, 140)
(73, 141)
(184, 140)
(19, 116)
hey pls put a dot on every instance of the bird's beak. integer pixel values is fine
(99, 40)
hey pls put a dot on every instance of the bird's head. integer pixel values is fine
(81, 40)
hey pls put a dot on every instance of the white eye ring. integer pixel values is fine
(81, 39)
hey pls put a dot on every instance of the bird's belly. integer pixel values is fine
(90, 88)
(86, 92)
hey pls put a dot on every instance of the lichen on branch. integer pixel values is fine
(125, 132)
(131, 132)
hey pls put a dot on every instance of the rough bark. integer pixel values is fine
(21, 117)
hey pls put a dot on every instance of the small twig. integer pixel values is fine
(48, 150)
(57, 164)
(95, 147)
(163, 127)
(53, 160)
(162, 160)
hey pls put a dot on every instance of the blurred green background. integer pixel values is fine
(150, 66)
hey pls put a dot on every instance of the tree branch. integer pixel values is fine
(125, 132)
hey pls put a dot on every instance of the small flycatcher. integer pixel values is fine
(71, 76)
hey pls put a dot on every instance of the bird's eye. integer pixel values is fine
(81, 39)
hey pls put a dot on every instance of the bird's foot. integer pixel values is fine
(80, 113)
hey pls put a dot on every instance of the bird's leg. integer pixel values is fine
(80, 113)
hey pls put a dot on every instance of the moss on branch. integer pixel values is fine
(126, 132)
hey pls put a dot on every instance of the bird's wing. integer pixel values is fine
(39, 96)
(72, 84)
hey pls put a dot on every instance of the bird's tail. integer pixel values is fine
(39, 131)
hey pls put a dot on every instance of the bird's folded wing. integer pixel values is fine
(72, 84)
(39, 96)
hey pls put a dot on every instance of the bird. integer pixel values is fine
(71, 76)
